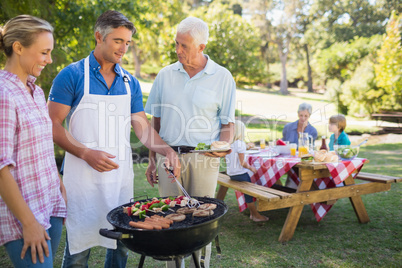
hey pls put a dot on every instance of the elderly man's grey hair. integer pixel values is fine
(197, 29)
(305, 107)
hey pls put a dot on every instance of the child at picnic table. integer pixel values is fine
(237, 167)
(337, 125)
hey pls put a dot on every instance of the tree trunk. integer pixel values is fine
(309, 75)
(265, 56)
(284, 81)
(137, 61)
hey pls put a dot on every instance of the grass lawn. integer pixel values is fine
(337, 241)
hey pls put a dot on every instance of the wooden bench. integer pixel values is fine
(390, 116)
(377, 178)
(278, 196)
(260, 192)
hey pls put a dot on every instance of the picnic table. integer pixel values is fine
(316, 184)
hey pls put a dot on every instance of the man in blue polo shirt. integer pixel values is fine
(192, 101)
(99, 101)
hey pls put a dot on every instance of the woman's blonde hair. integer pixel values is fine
(339, 120)
(239, 131)
(23, 29)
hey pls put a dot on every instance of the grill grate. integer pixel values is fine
(120, 219)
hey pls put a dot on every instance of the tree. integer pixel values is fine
(157, 18)
(257, 10)
(388, 70)
(233, 42)
(73, 23)
(345, 19)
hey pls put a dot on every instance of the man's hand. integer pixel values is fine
(172, 160)
(99, 160)
(152, 178)
(63, 194)
(35, 236)
(218, 154)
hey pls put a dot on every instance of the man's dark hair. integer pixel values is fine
(110, 20)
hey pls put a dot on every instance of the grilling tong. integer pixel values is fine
(191, 202)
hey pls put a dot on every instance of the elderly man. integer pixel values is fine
(192, 101)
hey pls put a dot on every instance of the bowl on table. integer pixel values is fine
(347, 152)
(283, 149)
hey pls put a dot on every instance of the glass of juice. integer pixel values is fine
(293, 148)
(262, 143)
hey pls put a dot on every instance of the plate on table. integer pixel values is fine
(252, 151)
(210, 151)
(268, 155)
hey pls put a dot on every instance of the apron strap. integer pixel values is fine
(126, 79)
(86, 76)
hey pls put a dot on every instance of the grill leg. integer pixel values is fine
(197, 264)
(178, 261)
(141, 261)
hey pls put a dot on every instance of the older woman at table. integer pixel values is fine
(291, 130)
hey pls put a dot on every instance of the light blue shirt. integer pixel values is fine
(192, 110)
(343, 139)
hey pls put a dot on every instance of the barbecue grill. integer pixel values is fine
(180, 240)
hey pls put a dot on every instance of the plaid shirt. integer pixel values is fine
(26, 144)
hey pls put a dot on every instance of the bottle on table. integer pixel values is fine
(323, 144)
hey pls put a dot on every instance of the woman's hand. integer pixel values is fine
(35, 237)
(33, 233)
(253, 169)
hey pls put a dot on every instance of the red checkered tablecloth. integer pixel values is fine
(269, 170)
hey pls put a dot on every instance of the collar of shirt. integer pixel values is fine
(342, 135)
(15, 79)
(210, 68)
(95, 66)
(294, 125)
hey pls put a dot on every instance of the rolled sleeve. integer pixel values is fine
(63, 88)
(153, 105)
(8, 125)
(136, 97)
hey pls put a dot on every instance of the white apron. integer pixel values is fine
(100, 122)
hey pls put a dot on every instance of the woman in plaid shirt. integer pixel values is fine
(32, 196)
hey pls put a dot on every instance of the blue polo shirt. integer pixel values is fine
(192, 110)
(290, 132)
(343, 139)
(68, 86)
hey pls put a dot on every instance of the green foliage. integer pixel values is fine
(340, 60)
(365, 75)
(389, 68)
(360, 92)
(345, 19)
(233, 42)
(73, 23)
(349, 69)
